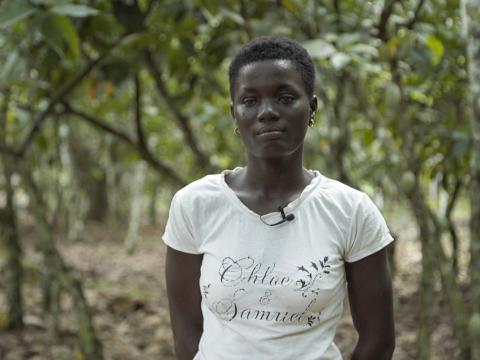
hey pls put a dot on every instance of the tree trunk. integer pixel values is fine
(138, 182)
(9, 233)
(98, 199)
(427, 280)
(471, 18)
(14, 270)
(152, 204)
(114, 182)
(451, 200)
(74, 212)
(91, 178)
(435, 259)
(61, 277)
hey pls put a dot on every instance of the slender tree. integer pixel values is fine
(9, 231)
(471, 20)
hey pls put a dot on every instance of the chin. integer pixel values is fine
(275, 152)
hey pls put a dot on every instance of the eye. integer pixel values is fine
(286, 99)
(249, 101)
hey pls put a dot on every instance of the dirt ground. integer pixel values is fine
(127, 294)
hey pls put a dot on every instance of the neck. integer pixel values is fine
(272, 176)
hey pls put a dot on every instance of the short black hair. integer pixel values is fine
(274, 48)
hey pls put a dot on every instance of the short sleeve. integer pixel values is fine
(179, 233)
(368, 231)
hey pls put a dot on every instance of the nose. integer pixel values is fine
(267, 111)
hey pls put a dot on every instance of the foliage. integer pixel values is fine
(148, 80)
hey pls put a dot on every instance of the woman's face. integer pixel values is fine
(271, 108)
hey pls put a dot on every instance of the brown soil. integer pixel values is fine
(127, 294)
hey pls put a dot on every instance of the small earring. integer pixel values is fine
(236, 131)
(311, 122)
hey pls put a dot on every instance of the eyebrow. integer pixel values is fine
(287, 87)
(280, 88)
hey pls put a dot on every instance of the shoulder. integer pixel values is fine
(339, 194)
(200, 192)
(207, 183)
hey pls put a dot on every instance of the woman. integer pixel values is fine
(258, 257)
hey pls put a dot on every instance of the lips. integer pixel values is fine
(270, 133)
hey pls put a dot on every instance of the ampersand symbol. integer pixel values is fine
(265, 300)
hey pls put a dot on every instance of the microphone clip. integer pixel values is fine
(285, 218)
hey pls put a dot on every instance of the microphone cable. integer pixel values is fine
(285, 218)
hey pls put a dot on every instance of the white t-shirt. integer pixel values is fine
(273, 292)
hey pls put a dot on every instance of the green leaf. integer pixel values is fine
(393, 45)
(8, 66)
(70, 35)
(210, 5)
(436, 47)
(290, 6)
(368, 136)
(236, 18)
(48, 3)
(392, 95)
(340, 60)
(364, 49)
(319, 49)
(59, 31)
(13, 69)
(50, 34)
(12, 11)
(460, 148)
(74, 10)
(348, 39)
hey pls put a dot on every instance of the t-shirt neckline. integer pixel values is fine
(307, 191)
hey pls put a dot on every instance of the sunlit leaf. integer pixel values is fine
(8, 68)
(436, 47)
(340, 60)
(232, 16)
(74, 10)
(348, 39)
(364, 49)
(319, 49)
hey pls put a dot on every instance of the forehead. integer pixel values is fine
(268, 74)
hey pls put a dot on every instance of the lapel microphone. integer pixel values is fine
(285, 218)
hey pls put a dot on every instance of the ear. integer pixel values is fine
(313, 105)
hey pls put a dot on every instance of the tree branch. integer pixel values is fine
(452, 200)
(411, 23)
(384, 17)
(338, 15)
(57, 98)
(4, 148)
(144, 152)
(181, 119)
(95, 122)
(246, 20)
(3, 117)
(149, 8)
(138, 114)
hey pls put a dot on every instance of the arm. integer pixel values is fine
(370, 295)
(183, 290)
